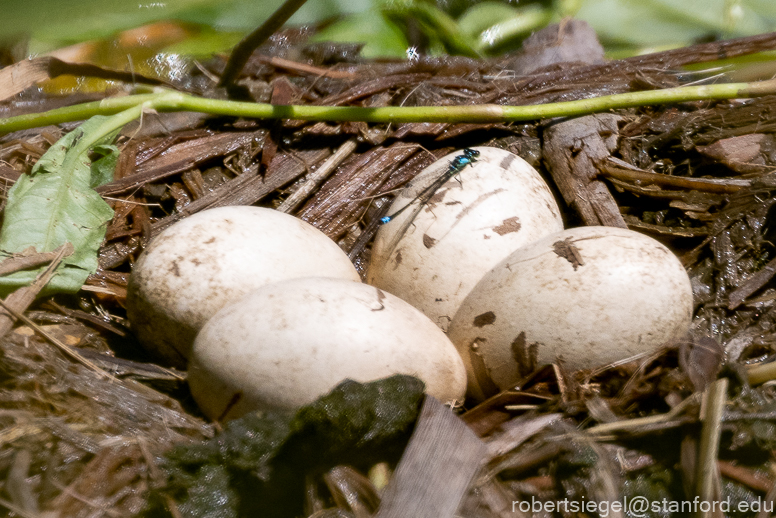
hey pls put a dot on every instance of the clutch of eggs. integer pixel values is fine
(208, 260)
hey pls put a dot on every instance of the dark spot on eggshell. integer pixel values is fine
(428, 241)
(174, 269)
(568, 250)
(398, 259)
(506, 162)
(485, 319)
(210, 241)
(525, 355)
(380, 299)
(508, 226)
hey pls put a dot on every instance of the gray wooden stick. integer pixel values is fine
(434, 474)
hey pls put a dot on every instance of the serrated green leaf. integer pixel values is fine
(53, 205)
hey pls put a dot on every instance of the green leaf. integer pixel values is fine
(207, 42)
(54, 205)
(484, 15)
(103, 167)
(511, 29)
(382, 37)
(662, 23)
(435, 23)
(56, 23)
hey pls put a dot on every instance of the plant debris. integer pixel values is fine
(699, 176)
(258, 464)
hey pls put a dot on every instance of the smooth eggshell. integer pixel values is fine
(629, 295)
(289, 342)
(495, 206)
(210, 259)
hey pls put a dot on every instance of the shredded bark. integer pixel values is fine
(698, 176)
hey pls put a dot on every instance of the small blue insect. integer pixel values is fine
(467, 157)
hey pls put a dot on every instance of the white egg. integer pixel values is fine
(209, 260)
(289, 342)
(494, 206)
(588, 296)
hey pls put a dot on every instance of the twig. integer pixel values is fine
(432, 477)
(242, 52)
(638, 422)
(752, 284)
(157, 477)
(316, 178)
(745, 476)
(21, 299)
(16, 509)
(761, 373)
(303, 68)
(62, 346)
(21, 261)
(707, 472)
(621, 170)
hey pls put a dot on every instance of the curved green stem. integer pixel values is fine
(484, 113)
(110, 125)
(441, 24)
(528, 19)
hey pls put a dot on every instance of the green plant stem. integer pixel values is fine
(484, 113)
(78, 112)
(441, 24)
(529, 19)
(110, 125)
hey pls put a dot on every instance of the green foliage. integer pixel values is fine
(455, 26)
(56, 204)
(104, 165)
(659, 23)
(511, 29)
(435, 23)
(257, 465)
(382, 37)
(50, 24)
(484, 15)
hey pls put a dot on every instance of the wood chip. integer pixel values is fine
(573, 149)
(437, 467)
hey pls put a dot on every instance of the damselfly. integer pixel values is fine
(467, 157)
